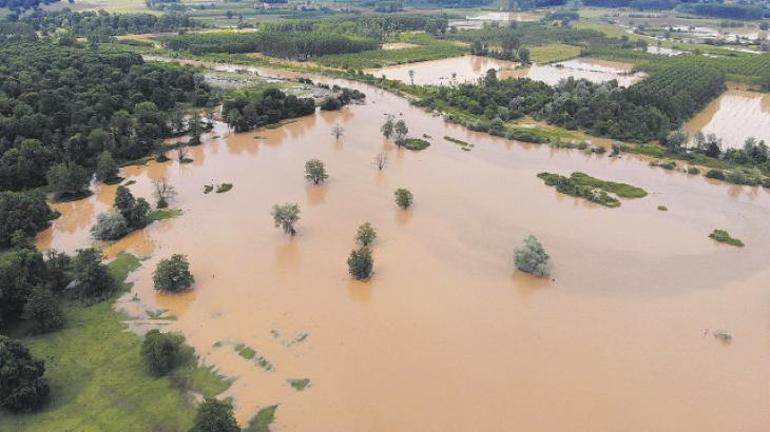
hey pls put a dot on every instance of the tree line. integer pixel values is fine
(102, 23)
(643, 112)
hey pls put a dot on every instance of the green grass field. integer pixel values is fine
(428, 49)
(98, 381)
(553, 52)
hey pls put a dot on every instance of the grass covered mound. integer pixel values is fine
(416, 144)
(593, 189)
(723, 236)
(99, 381)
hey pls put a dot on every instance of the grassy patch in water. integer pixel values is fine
(299, 384)
(224, 187)
(262, 421)
(164, 213)
(416, 144)
(245, 351)
(595, 190)
(99, 381)
(553, 52)
(723, 236)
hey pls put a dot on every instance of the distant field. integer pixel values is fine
(553, 52)
(427, 48)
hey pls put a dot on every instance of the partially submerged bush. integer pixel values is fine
(173, 274)
(723, 236)
(415, 144)
(532, 258)
(360, 263)
(404, 198)
(109, 226)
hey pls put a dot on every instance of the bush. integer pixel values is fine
(404, 198)
(532, 258)
(716, 174)
(173, 274)
(215, 416)
(285, 216)
(365, 234)
(162, 352)
(315, 171)
(416, 144)
(360, 263)
(723, 236)
(693, 170)
(109, 226)
(44, 309)
(22, 386)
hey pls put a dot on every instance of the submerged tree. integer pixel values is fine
(411, 76)
(173, 274)
(381, 161)
(285, 216)
(195, 130)
(106, 168)
(404, 198)
(366, 234)
(163, 192)
(337, 131)
(22, 385)
(360, 263)
(215, 416)
(532, 258)
(315, 171)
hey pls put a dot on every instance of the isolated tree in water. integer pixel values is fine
(215, 416)
(387, 127)
(22, 386)
(315, 171)
(380, 161)
(532, 258)
(400, 130)
(404, 198)
(365, 234)
(360, 263)
(411, 76)
(173, 274)
(285, 216)
(337, 131)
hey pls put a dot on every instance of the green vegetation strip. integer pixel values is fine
(416, 144)
(723, 236)
(262, 421)
(595, 190)
(99, 381)
(299, 384)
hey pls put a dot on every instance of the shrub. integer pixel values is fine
(44, 310)
(716, 174)
(331, 103)
(365, 234)
(416, 144)
(285, 216)
(215, 416)
(173, 274)
(315, 171)
(404, 198)
(162, 352)
(723, 236)
(693, 170)
(22, 386)
(532, 258)
(109, 226)
(360, 263)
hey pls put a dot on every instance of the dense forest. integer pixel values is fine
(251, 110)
(60, 107)
(104, 23)
(643, 112)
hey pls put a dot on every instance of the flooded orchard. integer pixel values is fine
(446, 327)
(734, 116)
(467, 68)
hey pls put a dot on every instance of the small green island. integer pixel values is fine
(723, 236)
(582, 185)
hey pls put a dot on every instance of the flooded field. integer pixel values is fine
(445, 71)
(446, 336)
(591, 69)
(734, 116)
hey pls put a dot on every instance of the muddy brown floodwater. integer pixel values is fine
(734, 116)
(446, 71)
(447, 336)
